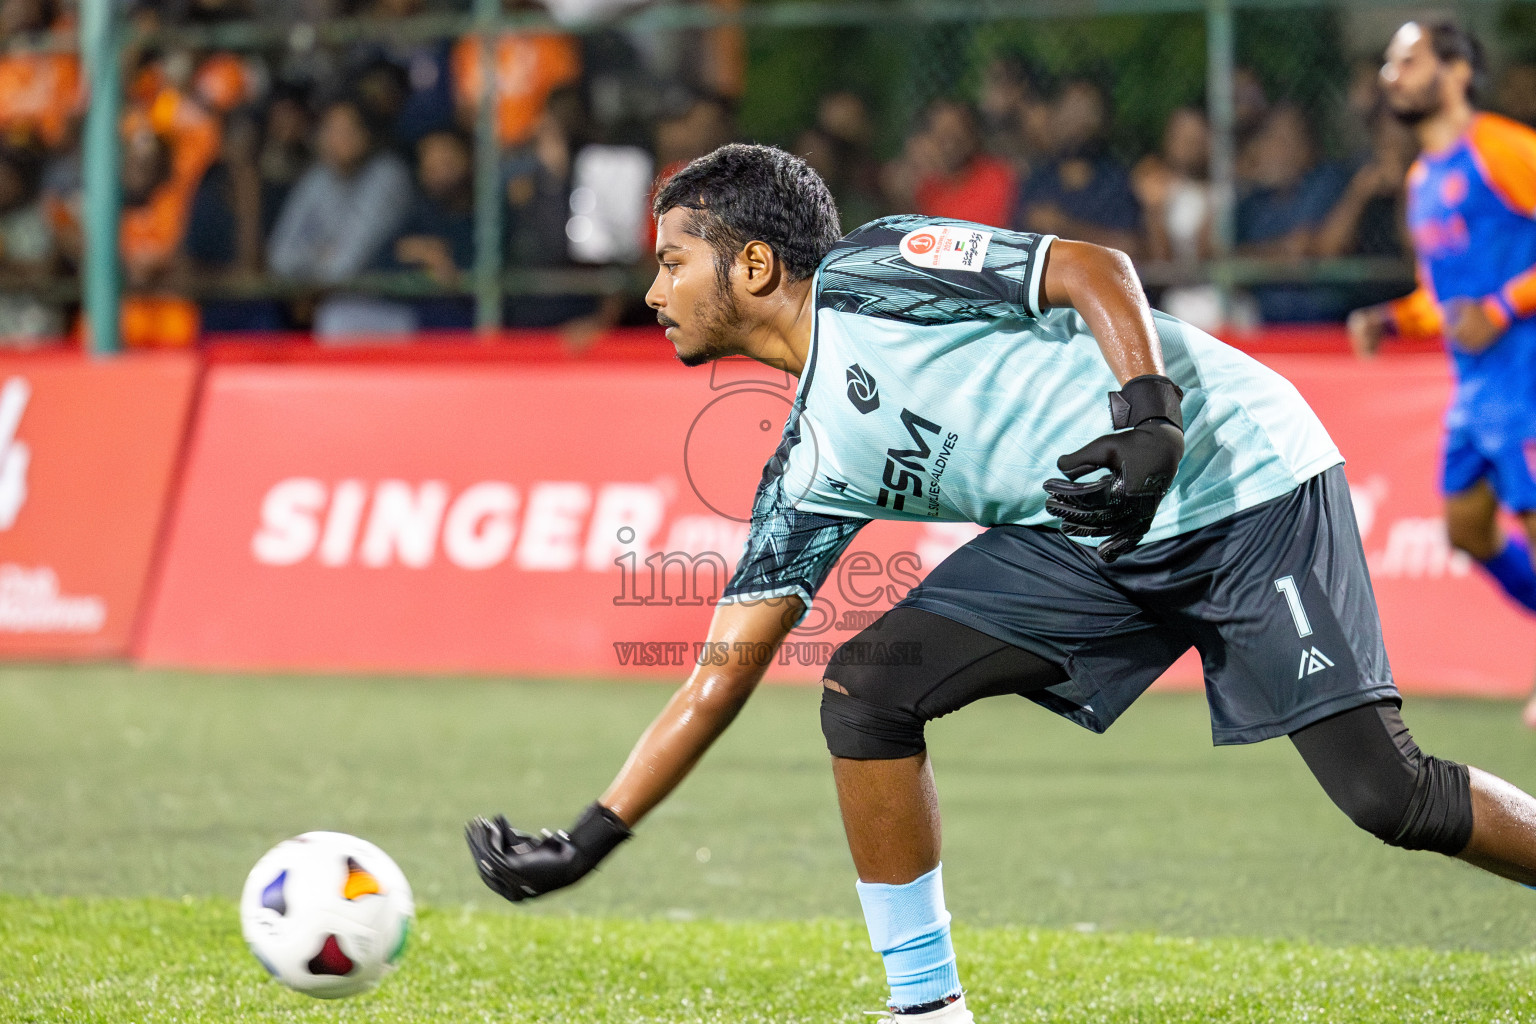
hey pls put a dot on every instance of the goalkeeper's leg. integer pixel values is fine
(873, 717)
(1368, 763)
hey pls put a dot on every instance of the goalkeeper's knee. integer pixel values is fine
(862, 729)
(1438, 816)
(1369, 765)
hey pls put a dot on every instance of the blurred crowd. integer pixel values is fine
(325, 170)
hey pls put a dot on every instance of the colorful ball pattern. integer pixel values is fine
(327, 913)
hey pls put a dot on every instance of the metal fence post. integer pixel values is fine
(1220, 63)
(100, 51)
(488, 201)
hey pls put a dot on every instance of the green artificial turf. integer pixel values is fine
(152, 961)
(1137, 876)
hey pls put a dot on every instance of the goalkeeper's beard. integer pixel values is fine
(718, 326)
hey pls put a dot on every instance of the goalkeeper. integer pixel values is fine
(955, 371)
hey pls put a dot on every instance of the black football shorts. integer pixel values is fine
(1276, 598)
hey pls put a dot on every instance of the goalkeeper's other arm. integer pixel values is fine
(1102, 286)
(519, 865)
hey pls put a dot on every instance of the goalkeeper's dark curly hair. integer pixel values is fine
(743, 193)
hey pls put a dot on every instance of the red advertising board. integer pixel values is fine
(541, 519)
(560, 519)
(87, 453)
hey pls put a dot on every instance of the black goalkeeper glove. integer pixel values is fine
(518, 865)
(1141, 461)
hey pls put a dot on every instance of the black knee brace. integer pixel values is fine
(864, 731)
(909, 668)
(1439, 817)
(1369, 765)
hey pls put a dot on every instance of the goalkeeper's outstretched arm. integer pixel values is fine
(519, 865)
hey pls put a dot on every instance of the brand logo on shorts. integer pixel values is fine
(1313, 662)
(863, 392)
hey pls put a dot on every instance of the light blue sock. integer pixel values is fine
(909, 927)
(1511, 567)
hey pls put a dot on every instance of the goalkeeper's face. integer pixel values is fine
(701, 315)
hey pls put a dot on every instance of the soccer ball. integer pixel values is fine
(326, 913)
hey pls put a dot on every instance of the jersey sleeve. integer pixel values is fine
(788, 551)
(933, 270)
(1506, 157)
(1417, 314)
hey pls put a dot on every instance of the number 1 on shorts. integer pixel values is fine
(1287, 586)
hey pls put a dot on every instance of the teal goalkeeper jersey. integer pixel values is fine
(935, 388)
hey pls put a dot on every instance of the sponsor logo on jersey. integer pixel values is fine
(863, 392)
(905, 467)
(946, 247)
(1453, 189)
(921, 242)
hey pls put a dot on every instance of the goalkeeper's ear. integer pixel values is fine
(760, 269)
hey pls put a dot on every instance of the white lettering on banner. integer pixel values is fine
(30, 602)
(404, 523)
(1417, 548)
(1367, 499)
(636, 508)
(479, 530)
(15, 456)
(289, 522)
(400, 524)
(342, 521)
(552, 526)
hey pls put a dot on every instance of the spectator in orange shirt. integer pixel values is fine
(529, 66)
(168, 145)
(189, 138)
(966, 184)
(41, 94)
(154, 221)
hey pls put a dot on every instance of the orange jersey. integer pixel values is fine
(152, 232)
(40, 94)
(529, 66)
(1472, 211)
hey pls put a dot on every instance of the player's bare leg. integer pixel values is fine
(1471, 521)
(1472, 525)
(1503, 829)
(873, 713)
(891, 815)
